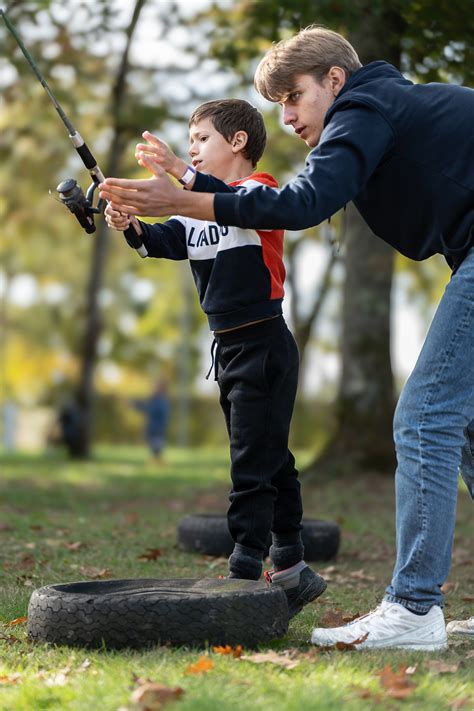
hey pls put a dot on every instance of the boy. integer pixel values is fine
(239, 276)
(404, 153)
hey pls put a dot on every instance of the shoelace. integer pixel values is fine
(376, 612)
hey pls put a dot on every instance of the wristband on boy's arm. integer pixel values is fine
(188, 176)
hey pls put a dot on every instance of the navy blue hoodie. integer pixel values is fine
(403, 152)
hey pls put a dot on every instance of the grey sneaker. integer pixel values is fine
(462, 627)
(300, 583)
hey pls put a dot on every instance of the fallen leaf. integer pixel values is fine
(411, 670)
(447, 588)
(439, 667)
(17, 621)
(460, 703)
(9, 638)
(6, 679)
(467, 598)
(367, 694)
(333, 618)
(152, 697)
(26, 562)
(91, 571)
(150, 554)
(25, 580)
(5, 527)
(282, 660)
(470, 654)
(396, 683)
(85, 665)
(75, 546)
(361, 575)
(231, 651)
(203, 664)
(342, 646)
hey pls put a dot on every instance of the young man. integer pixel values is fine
(239, 276)
(404, 154)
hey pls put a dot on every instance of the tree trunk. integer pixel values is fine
(365, 403)
(80, 444)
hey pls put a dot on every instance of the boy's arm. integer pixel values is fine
(165, 240)
(353, 144)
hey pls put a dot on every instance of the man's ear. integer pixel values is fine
(337, 78)
(239, 141)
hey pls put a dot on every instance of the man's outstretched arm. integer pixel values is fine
(352, 146)
(156, 197)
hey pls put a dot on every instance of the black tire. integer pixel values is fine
(209, 534)
(142, 613)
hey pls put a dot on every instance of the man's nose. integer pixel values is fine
(289, 115)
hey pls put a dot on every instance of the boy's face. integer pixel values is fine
(209, 150)
(305, 107)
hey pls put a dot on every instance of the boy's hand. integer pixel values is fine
(161, 154)
(118, 220)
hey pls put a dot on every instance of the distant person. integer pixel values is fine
(404, 154)
(239, 276)
(156, 409)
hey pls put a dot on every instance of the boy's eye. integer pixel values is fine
(203, 139)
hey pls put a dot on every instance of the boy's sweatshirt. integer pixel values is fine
(239, 273)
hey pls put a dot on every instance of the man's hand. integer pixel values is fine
(154, 197)
(161, 154)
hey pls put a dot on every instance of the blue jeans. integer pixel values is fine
(434, 439)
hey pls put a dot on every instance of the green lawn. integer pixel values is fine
(116, 507)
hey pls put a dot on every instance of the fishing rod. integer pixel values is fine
(70, 193)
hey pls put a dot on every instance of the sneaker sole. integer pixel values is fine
(310, 593)
(417, 646)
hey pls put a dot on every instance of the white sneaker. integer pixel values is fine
(461, 626)
(390, 625)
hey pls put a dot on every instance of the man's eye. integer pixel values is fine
(295, 96)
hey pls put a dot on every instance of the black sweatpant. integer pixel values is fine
(257, 377)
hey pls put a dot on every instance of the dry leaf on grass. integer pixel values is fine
(396, 683)
(447, 588)
(467, 598)
(9, 638)
(150, 554)
(90, 571)
(26, 562)
(227, 649)
(282, 660)
(17, 621)
(439, 667)
(368, 694)
(75, 545)
(7, 679)
(470, 654)
(203, 665)
(337, 618)
(152, 696)
(460, 703)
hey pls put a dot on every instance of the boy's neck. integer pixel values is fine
(238, 170)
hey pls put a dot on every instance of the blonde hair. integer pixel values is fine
(314, 50)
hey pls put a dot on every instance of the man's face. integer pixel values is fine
(305, 107)
(209, 150)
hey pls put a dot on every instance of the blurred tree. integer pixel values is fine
(77, 49)
(428, 38)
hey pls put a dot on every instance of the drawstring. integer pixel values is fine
(214, 359)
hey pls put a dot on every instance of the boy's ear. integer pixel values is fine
(239, 141)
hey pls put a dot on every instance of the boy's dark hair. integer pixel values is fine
(231, 115)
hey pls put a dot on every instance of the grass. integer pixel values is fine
(117, 506)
